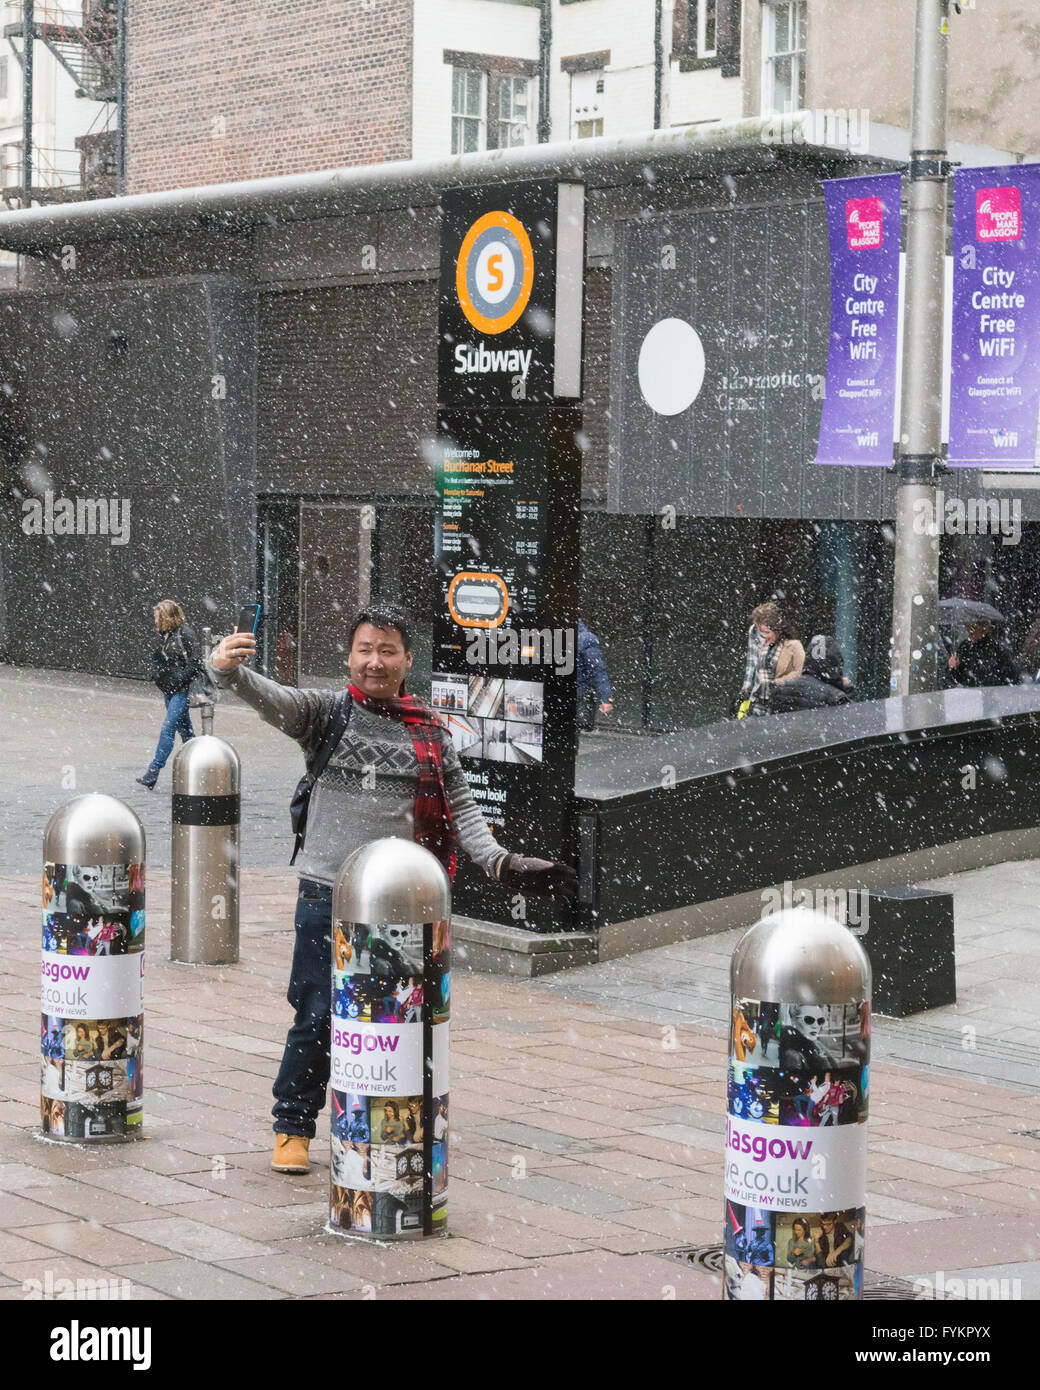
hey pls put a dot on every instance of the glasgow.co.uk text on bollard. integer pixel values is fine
(391, 995)
(796, 1127)
(92, 972)
(204, 866)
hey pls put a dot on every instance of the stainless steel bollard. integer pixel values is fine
(796, 1128)
(391, 1000)
(204, 876)
(92, 972)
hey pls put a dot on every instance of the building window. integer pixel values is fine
(492, 101)
(783, 56)
(704, 23)
(468, 106)
(513, 112)
(707, 34)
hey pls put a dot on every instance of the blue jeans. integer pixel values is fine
(177, 721)
(303, 1077)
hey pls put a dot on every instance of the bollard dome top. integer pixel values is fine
(799, 956)
(94, 829)
(392, 880)
(206, 766)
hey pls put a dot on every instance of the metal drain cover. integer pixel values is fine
(875, 1286)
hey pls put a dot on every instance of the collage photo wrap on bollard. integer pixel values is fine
(92, 1013)
(391, 1002)
(796, 1150)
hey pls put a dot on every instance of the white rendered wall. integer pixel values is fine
(703, 96)
(626, 28)
(469, 26)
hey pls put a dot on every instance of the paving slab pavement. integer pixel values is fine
(587, 1108)
(587, 1141)
(991, 1033)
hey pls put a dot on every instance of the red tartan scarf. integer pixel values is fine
(432, 827)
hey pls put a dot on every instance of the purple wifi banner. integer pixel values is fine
(995, 381)
(863, 225)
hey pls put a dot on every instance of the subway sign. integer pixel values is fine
(507, 535)
(511, 295)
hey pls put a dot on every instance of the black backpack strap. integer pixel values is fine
(339, 718)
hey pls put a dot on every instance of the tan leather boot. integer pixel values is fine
(290, 1154)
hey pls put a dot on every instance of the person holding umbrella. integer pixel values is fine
(982, 659)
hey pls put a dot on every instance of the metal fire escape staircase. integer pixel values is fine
(84, 41)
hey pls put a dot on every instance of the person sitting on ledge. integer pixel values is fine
(823, 681)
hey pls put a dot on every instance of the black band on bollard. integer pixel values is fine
(207, 810)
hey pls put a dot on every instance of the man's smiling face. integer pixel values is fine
(378, 661)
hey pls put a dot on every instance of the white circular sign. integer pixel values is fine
(495, 271)
(671, 366)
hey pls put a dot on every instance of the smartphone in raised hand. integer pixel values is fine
(248, 618)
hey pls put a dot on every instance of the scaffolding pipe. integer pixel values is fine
(544, 72)
(120, 97)
(27, 102)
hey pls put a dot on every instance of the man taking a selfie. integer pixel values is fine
(379, 764)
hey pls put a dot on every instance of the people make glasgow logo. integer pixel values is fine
(864, 218)
(998, 214)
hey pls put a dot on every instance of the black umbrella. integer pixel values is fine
(955, 612)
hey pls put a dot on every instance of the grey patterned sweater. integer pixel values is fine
(368, 789)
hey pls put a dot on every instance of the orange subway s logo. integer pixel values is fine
(494, 274)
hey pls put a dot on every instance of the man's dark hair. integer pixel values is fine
(383, 614)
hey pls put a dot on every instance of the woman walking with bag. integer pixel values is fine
(175, 664)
